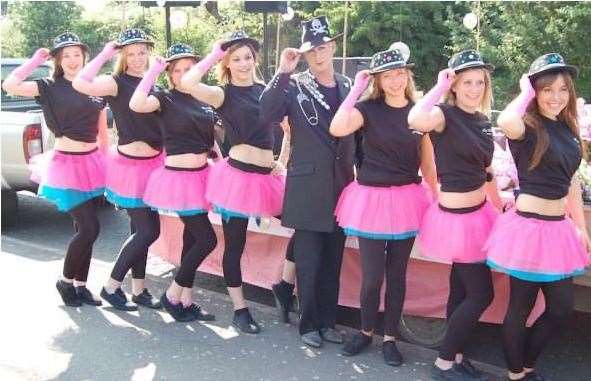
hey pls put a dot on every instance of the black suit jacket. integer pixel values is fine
(320, 166)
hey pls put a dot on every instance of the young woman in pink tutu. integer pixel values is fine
(536, 245)
(179, 186)
(385, 205)
(138, 153)
(74, 171)
(245, 185)
(456, 228)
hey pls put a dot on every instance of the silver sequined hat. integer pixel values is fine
(66, 39)
(468, 59)
(551, 62)
(240, 36)
(178, 51)
(133, 36)
(387, 60)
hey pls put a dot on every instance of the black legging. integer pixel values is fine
(200, 240)
(234, 241)
(289, 252)
(378, 256)
(145, 229)
(470, 293)
(522, 348)
(79, 252)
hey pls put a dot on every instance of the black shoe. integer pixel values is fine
(177, 311)
(533, 376)
(87, 297)
(118, 300)
(331, 335)
(392, 355)
(199, 313)
(451, 374)
(68, 293)
(244, 321)
(147, 300)
(356, 344)
(284, 297)
(466, 367)
(312, 339)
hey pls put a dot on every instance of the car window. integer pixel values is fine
(40, 72)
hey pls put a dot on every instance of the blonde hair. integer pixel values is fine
(487, 99)
(376, 90)
(223, 74)
(120, 65)
(58, 70)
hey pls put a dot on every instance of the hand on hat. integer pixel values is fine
(445, 78)
(41, 55)
(217, 52)
(361, 80)
(526, 87)
(109, 50)
(289, 60)
(158, 65)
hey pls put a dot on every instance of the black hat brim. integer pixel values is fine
(250, 41)
(476, 65)
(181, 56)
(56, 49)
(134, 41)
(573, 70)
(391, 66)
(306, 48)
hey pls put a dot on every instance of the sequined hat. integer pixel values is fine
(178, 51)
(66, 39)
(133, 36)
(551, 62)
(468, 59)
(315, 32)
(387, 60)
(240, 36)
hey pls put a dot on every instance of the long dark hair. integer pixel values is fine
(58, 70)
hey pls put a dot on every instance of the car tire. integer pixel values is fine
(9, 208)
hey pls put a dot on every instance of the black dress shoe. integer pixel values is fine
(466, 367)
(533, 376)
(331, 335)
(118, 300)
(244, 322)
(177, 311)
(68, 293)
(87, 297)
(199, 313)
(147, 300)
(283, 293)
(392, 355)
(356, 344)
(312, 339)
(452, 374)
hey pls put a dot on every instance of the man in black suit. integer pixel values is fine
(320, 166)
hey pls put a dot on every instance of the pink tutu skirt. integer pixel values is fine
(454, 236)
(237, 193)
(383, 213)
(533, 248)
(69, 179)
(127, 178)
(178, 191)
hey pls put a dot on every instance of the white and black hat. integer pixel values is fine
(66, 39)
(315, 32)
(240, 36)
(550, 62)
(468, 59)
(388, 60)
(178, 51)
(133, 36)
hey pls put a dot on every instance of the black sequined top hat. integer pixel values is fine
(178, 51)
(315, 32)
(468, 59)
(387, 60)
(551, 62)
(133, 36)
(66, 39)
(240, 36)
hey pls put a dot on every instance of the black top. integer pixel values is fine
(133, 126)
(67, 112)
(391, 150)
(463, 150)
(331, 96)
(552, 177)
(187, 123)
(240, 117)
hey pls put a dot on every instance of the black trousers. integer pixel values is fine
(79, 252)
(199, 240)
(522, 347)
(318, 257)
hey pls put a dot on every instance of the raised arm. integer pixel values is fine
(349, 119)
(424, 116)
(88, 83)
(15, 84)
(511, 119)
(140, 100)
(191, 81)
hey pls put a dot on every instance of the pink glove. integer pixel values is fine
(361, 80)
(444, 80)
(93, 67)
(150, 76)
(519, 104)
(31, 64)
(216, 54)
